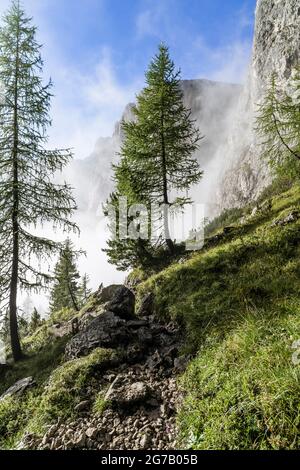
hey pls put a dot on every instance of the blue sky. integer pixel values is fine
(97, 51)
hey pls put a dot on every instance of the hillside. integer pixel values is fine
(206, 365)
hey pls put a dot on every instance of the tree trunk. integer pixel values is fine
(168, 240)
(73, 298)
(13, 320)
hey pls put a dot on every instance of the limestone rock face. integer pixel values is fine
(276, 49)
(277, 39)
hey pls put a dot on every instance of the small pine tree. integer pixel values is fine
(84, 290)
(23, 326)
(278, 124)
(125, 253)
(65, 292)
(35, 320)
(28, 196)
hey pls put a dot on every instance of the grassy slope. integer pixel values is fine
(60, 385)
(239, 302)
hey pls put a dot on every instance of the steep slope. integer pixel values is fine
(237, 306)
(238, 302)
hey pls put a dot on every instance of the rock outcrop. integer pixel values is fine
(276, 49)
(139, 390)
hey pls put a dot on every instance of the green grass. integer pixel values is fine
(100, 404)
(239, 303)
(67, 387)
(244, 392)
(36, 364)
(54, 398)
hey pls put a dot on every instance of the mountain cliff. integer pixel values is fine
(276, 49)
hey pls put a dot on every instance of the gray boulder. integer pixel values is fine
(122, 303)
(127, 394)
(105, 331)
(18, 388)
(105, 294)
(147, 306)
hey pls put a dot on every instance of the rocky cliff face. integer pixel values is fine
(276, 48)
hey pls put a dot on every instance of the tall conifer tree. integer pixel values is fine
(28, 196)
(157, 156)
(159, 145)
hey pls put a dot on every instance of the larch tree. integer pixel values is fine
(278, 125)
(157, 155)
(35, 320)
(28, 196)
(65, 292)
(160, 143)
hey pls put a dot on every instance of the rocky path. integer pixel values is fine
(141, 393)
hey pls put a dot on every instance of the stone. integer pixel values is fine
(105, 294)
(289, 219)
(82, 406)
(106, 331)
(135, 324)
(145, 441)
(52, 431)
(147, 306)
(136, 392)
(144, 336)
(122, 303)
(19, 387)
(128, 394)
(91, 433)
(79, 441)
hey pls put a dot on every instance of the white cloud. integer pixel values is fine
(227, 63)
(154, 20)
(147, 23)
(87, 105)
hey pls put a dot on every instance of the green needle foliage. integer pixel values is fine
(66, 290)
(157, 156)
(28, 196)
(35, 320)
(278, 124)
(84, 290)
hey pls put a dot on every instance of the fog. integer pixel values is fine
(213, 105)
